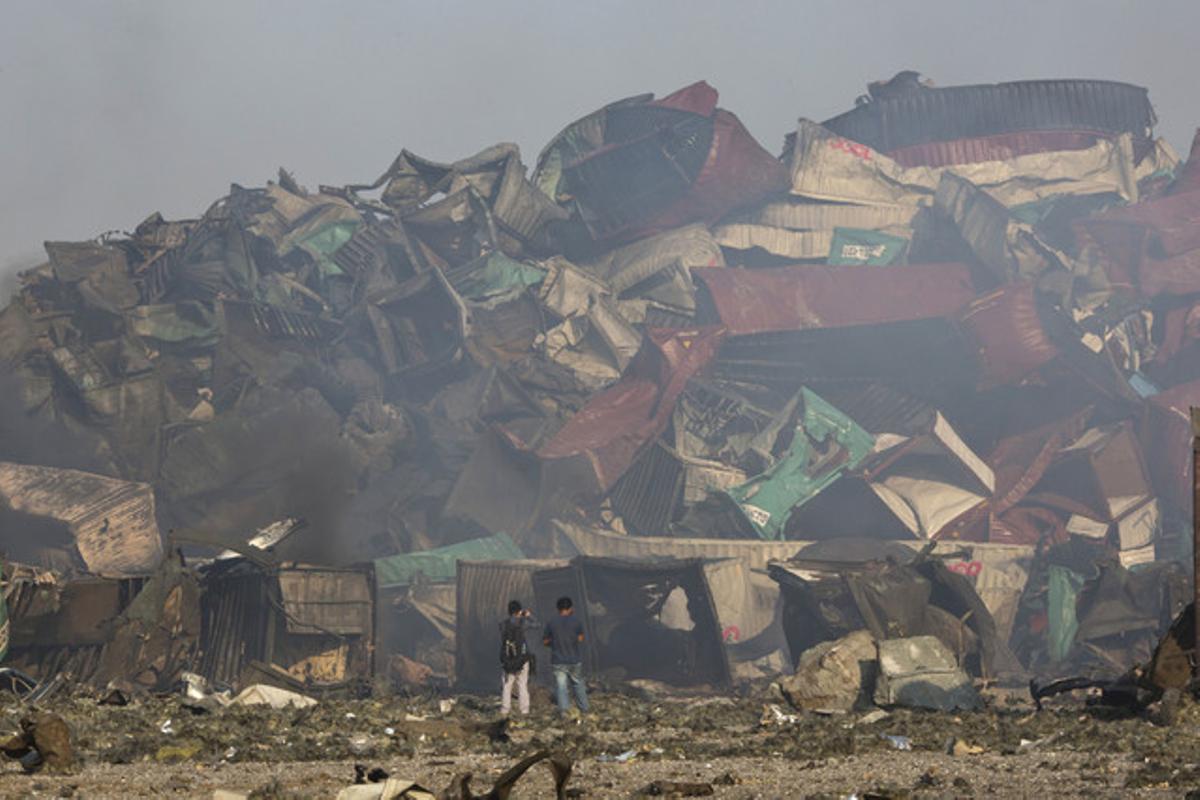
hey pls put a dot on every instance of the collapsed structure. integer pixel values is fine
(326, 433)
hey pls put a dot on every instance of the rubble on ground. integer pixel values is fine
(920, 381)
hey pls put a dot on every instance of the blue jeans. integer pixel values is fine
(572, 673)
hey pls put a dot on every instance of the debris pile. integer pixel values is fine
(960, 319)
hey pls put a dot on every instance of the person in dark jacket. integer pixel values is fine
(564, 637)
(515, 658)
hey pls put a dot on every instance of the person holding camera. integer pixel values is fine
(516, 662)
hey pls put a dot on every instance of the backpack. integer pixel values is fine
(514, 652)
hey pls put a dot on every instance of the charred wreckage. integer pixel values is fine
(903, 409)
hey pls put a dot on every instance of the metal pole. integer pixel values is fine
(1195, 540)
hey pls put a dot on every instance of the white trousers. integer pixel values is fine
(521, 679)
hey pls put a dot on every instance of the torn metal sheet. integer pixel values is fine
(649, 493)
(797, 298)
(801, 215)
(746, 609)
(1007, 248)
(493, 274)
(518, 209)
(113, 521)
(420, 326)
(717, 421)
(638, 167)
(1008, 333)
(637, 269)
(803, 231)
(1173, 222)
(318, 225)
(600, 442)
(1164, 432)
(1102, 471)
(293, 627)
(931, 480)
(851, 584)
(185, 324)
(702, 477)
(828, 167)
(826, 443)
(77, 261)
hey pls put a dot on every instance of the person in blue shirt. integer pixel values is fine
(564, 637)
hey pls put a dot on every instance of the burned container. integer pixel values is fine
(313, 626)
(651, 620)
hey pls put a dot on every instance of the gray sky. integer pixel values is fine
(113, 110)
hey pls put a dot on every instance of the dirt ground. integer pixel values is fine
(157, 747)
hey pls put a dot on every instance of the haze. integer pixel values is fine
(113, 110)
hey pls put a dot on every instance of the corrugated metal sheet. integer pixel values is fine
(484, 591)
(326, 601)
(997, 147)
(1008, 334)
(519, 207)
(795, 245)
(639, 167)
(648, 493)
(604, 437)
(1178, 275)
(233, 626)
(879, 407)
(924, 357)
(804, 297)
(594, 542)
(1166, 433)
(439, 564)
(959, 112)
(380, 243)
(113, 521)
(621, 185)
(827, 167)
(1173, 222)
(798, 215)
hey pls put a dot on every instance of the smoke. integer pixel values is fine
(29, 439)
(10, 269)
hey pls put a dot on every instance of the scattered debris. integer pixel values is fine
(920, 672)
(272, 696)
(678, 789)
(44, 743)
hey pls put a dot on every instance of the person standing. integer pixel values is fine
(564, 637)
(515, 659)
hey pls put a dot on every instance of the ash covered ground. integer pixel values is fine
(159, 747)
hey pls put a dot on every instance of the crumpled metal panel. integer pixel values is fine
(804, 297)
(604, 437)
(957, 112)
(827, 167)
(1008, 334)
(112, 520)
(997, 147)
(322, 601)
